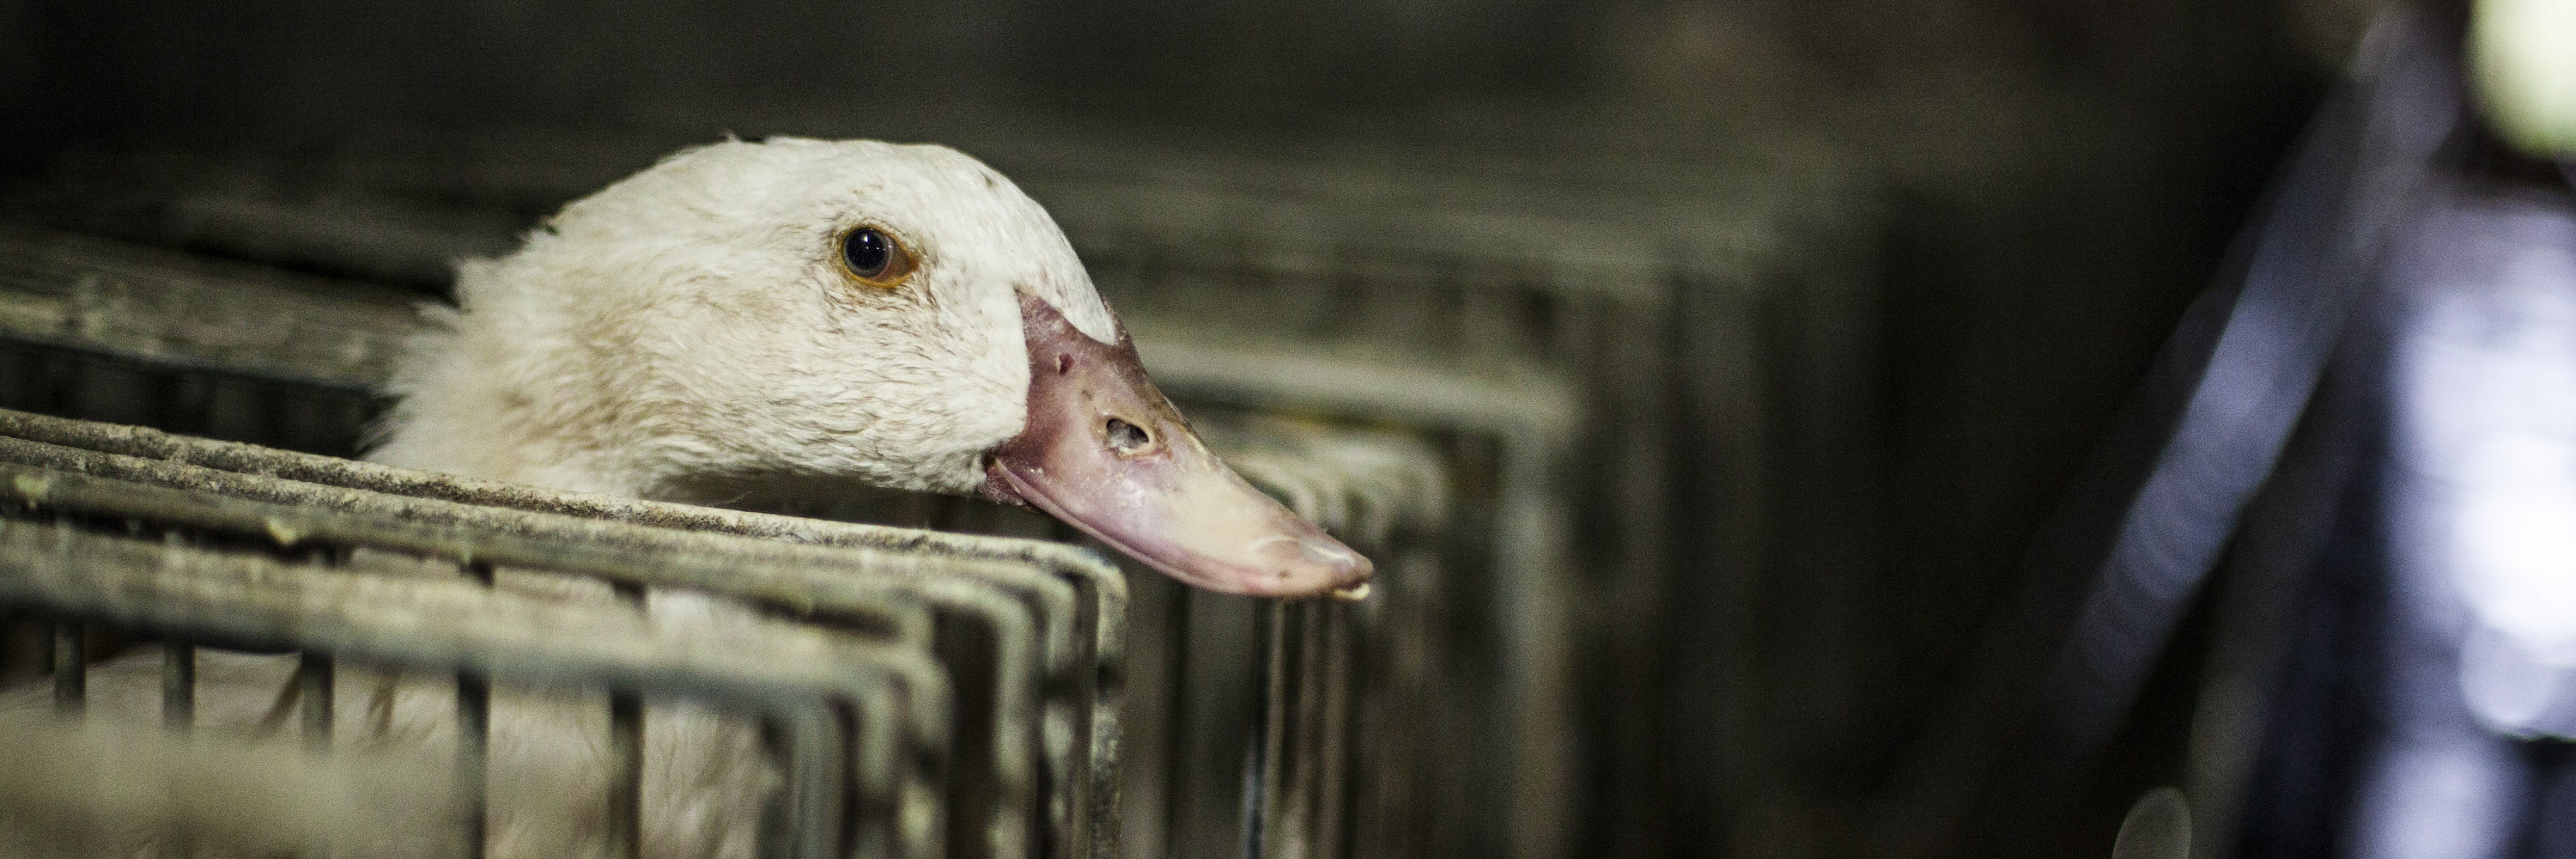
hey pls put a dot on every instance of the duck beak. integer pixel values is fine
(1106, 452)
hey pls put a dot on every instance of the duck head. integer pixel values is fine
(821, 312)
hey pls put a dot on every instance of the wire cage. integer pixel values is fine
(1028, 628)
(1051, 636)
(1478, 376)
(853, 696)
(1596, 337)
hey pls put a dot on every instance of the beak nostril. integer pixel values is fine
(1127, 438)
(1063, 364)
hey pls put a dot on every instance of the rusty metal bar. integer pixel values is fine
(626, 788)
(1274, 709)
(1261, 738)
(474, 740)
(1176, 627)
(315, 698)
(1339, 701)
(1301, 724)
(777, 816)
(178, 685)
(71, 668)
(626, 755)
(473, 759)
(178, 713)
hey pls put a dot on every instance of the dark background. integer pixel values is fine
(2051, 181)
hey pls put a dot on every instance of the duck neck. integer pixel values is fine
(477, 430)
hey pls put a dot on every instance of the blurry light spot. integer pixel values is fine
(2507, 688)
(2513, 541)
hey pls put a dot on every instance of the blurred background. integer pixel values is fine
(1868, 281)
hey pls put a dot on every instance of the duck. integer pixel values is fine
(794, 316)
(781, 318)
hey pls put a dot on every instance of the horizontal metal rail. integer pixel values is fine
(1005, 599)
(1061, 592)
(900, 790)
(177, 310)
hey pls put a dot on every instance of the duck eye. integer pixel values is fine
(874, 257)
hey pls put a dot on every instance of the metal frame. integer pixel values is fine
(1037, 601)
(1575, 278)
(1498, 557)
(106, 302)
(799, 676)
(1527, 318)
(1326, 697)
(899, 790)
(1517, 411)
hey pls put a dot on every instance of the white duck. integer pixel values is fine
(790, 316)
(798, 314)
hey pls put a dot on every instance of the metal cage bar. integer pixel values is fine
(790, 672)
(1093, 680)
(850, 585)
(101, 281)
(1031, 617)
(1085, 651)
(1528, 344)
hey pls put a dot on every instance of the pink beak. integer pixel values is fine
(1106, 452)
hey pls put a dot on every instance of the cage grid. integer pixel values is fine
(1272, 728)
(1518, 320)
(1381, 487)
(88, 549)
(1027, 616)
(848, 586)
(117, 331)
(1661, 355)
